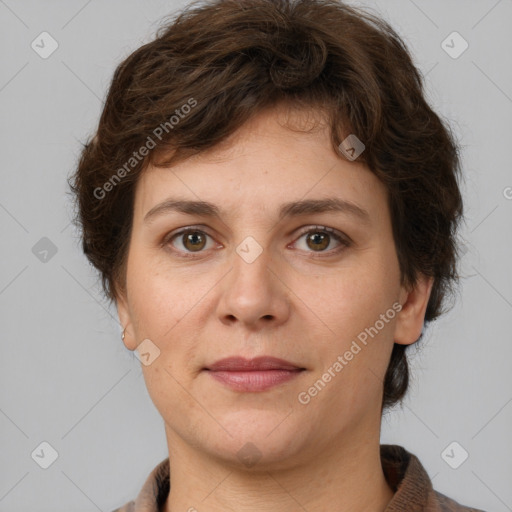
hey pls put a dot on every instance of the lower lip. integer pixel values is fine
(258, 380)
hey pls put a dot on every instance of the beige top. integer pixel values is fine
(403, 471)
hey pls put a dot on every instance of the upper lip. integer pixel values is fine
(258, 363)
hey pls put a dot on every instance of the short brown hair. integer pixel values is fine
(227, 60)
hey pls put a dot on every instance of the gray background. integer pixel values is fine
(66, 377)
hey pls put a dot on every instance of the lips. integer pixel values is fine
(252, 375)
(240, 364)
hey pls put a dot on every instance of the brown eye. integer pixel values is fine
(188, 241)
(194, 240)
(318, 240)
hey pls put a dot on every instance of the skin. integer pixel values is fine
(323, 455)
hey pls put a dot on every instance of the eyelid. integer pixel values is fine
(182, 231)
(337, 234)
(344, 240)
(191, 227)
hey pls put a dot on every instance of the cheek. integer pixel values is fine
(356, 312)
(356, 296)
(156, 301)
(353, 356)
(169, 305)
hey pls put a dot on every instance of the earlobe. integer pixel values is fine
(127, 334)
(410, 320)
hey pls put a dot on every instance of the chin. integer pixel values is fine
(259, 441)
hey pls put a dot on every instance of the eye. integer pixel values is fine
(319, 238)
(192, 240)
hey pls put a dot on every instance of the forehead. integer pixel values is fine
(277, 157)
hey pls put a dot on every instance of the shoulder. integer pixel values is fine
(412, 485)
(153, 493)
(443, 503)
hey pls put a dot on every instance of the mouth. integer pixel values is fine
(240, 364)
(252, 375)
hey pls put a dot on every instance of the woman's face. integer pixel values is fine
(319, 289)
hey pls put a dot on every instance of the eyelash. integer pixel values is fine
(339, 237)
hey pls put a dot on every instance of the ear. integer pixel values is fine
(125, 318)
(410, 319)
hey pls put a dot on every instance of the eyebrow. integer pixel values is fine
(291, 209)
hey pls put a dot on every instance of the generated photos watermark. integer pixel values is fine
(334, 369)
(143, 151)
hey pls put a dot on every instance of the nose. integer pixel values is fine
(254, 293)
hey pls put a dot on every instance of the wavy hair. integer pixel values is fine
(235, 58)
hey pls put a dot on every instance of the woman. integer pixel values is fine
(272, 205)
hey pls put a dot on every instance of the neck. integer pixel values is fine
(347, 477)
